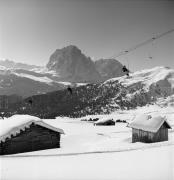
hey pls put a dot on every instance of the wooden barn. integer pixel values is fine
(148, 129)
(27, 135)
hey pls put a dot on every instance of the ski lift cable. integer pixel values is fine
(142, 44)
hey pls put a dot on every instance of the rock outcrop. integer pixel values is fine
(72, 65)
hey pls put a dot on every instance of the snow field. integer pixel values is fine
(149, 164)
(91, 152)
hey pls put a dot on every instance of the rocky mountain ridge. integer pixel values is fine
(16, 65)
(65, 67)
(109, 68)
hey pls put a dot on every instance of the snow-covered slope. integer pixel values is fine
(158, 76)
(30, 82)
(26, 82)
(141, 88)
(42, 79)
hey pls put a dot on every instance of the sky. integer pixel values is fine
(31, 30)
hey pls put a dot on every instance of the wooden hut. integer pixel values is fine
(105, 122)
(32, 135)
(148, 129)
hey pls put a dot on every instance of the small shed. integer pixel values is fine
(27, 134)
(148, 129)
(105, 122)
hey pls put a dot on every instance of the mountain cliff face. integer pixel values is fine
(109, 68)
(72, 65)
(141, 88)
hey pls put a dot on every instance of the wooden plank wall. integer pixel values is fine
(139, 135)
(32, 139)
(161, 135)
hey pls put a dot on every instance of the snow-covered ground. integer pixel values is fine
(97, 152)
(85, 138)
(149, 164)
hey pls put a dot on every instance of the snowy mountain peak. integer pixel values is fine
(72, 65)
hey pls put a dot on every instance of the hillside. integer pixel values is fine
(26, 83)
(141, 88)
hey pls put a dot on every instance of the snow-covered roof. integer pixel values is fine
(13, 125)
(103, 120)
(148, 123)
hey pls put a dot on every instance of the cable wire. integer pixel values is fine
(142, 44)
